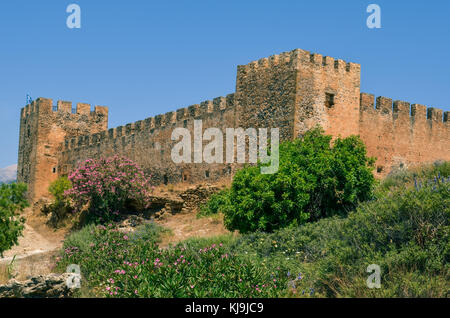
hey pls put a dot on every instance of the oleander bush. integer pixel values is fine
(107, 187)
(114, 264)
(12, 201)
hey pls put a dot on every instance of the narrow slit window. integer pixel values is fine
(329, 100)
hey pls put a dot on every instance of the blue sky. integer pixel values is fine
(142, 58)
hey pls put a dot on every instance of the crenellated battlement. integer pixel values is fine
(401, 109)
(161, 121)
(45, 106)
(298, 57)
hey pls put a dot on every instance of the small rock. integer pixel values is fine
(49, 286)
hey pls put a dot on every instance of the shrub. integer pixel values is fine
(314, 180)
(215, 203)
(417, 175)
(107, 187)
(12, 200)
(60, 209)
(115, 264)
(58, 187)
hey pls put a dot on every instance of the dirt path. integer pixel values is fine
(31, 243)
(37, 246)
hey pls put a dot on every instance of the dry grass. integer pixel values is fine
(4, 274)
(187, 225)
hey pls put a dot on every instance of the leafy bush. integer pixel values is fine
(107, 187)
(314, 180)
(115, 264)
(58, 187)
(12, 200)
(214, 204)
(60, 209)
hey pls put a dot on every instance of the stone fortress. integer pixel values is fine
(293, 91)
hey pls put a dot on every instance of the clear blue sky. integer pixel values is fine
(142, 58)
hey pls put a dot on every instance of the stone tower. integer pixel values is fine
(43, 128)
(296, 91)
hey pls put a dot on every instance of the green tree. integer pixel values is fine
(316, 179)
(58, 187)
(12, 200)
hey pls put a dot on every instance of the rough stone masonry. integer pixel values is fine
(293, 91)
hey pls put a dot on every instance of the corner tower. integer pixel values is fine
(298, 90)
(43, 128)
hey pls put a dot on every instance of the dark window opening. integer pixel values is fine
(329, 100)
(379, 169)
(54, 170)
(207, 173)
(28, 131)
(166, 180)
(184, 178)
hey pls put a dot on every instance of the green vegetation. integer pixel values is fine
(405, 231)
(12, 201)
(131, 265)
(315, 180)
(58, 187)
(60, 208)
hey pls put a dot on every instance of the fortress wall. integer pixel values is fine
(148, 142)
(402, 135)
